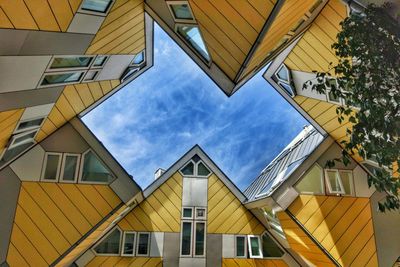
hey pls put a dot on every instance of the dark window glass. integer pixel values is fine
(240, 246)
(128, 243)
(202, 170)
(181, 11)
(69, 172)
(254, 246)
(143, 244)
(62, 78)
(70, 62)
(187, 213)
(52, 162)
(186, 238)
(94, 170)
(200, 236)
(110, 245)
(270, 248)
(188, 169)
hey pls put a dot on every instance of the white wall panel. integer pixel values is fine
(156, 244)
(228, 246)
(37, 111)
(194, 192)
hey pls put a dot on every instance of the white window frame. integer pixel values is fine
(94, 77)
(259, 247)
(104, 237)
(139, 64)
(137, 244)
(67, 69)
(13, 143)
(194, 239)
(197, 169)
(187, 218)
(123, 244)
(58, 166)
(92, 66)
(245, 247)
(191, 239)
(125, 75)
(200, 218)
(97, 13)
(341, 192)
(59, 84)
(31, 127)
(78, 163)
(81, 169)
(278, 70)
(194, 169)
(170, 3)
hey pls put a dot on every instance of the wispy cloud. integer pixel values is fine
(174, 105)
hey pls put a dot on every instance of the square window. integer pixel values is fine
(181, 11)
(99, 61)
(143, 244)
(187, 213)
(201, 213)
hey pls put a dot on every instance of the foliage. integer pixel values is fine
(368, 78)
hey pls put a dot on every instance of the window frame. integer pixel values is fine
(97, 13)
(31, 127)
(194, 169)
(187, 218)
(92, 66)
(191, 239)
(42, 179)
(137, 244)
(259, 247)
(12, 144)
(328, 183)
(40, 85)
(49, 69)
(104, 237)
(177, 20)
(78, 163)
(194, 235)
(84, 80)
(276, 243)
(200, 218)
(126, 74)
(322, 178)
(81, 170)
(123, 244)
(245, 247)
(141, 63)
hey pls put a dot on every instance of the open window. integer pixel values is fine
(312, 181)
(110, 244)
(339, 182)
(93, 170)
(270, 248)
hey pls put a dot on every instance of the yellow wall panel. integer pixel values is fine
(56, 117)
(125, 261)
(85, 94)
(18, 14)
(62, 12)
(14, 258)
(8, 122)
(42, 14)
(4, 21)
(252, 263)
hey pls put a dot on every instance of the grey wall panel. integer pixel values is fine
(19, 73)
(192, 262)
(9, 191)
(333, 152)
(194, 192)
(55, 43)
(387, 232)
(114, 67)
(29, 98)
(157, 244)
(84, 23)
(11, 41)
(214, 250)
(65, 139)
(171, 250)
(28, 167)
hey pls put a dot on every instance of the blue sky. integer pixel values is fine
(158, 117)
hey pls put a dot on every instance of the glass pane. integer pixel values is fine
(186, 237)
(15, 151)
(188, 169)
(70, 62)
(23, 138)
(202, 170)
(283, 74)
(69, 172)
(270, 248)
(192, 35)
(200, 213)
(143, 244)
(94, 170)
(181, 11)
(62, 78)
(200, 234)
(90, 75)
(110, 245)
(347, 179)
(332, 97)
(128, 73)
(128, 243)
(196, 158)
(139, 58)
(28, 124)
(288, 89)
(240, 246)
(254, 246)
(51, 167)
(333, 179)
(96, 5)
(187, 213)
(99, 61)
(311, 181)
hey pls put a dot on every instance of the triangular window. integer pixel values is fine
(311, 182)
(191, 34)
(94, 170)
(188, 169)
(110, 244)
(202, 170)
(270, 248)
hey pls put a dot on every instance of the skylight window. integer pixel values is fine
(192, 35)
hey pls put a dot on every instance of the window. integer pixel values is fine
(128, 73)
(90, 75)
(283, 73)
(273, 221)
(188, 169)
(99, 61)
(312, 181)
(240, 246)
(100, 6)
(110, 245)
(270, 248)
(187, 213)
(29, 124)
(339, 181)
(93, 170)
(283, 78)
(191, 34)
(22, 138)
(199, 239)
(62, 78)
(51, 167)
(70, 167)
(254, 246)
(195, 167)
(181, 11)
(186, 238)
(200, 213)
(138, 59)
(128, 242)
(143, 244)
(202, 170)
(70, 62)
